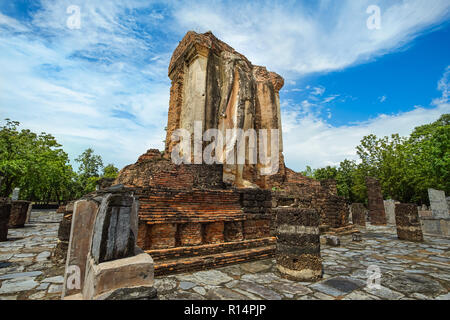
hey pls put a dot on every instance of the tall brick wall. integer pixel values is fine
(377, 215)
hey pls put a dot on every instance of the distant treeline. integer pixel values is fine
(37, 164)
(405, 166)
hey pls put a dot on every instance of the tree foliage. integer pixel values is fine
(37, 164)
(405, 166)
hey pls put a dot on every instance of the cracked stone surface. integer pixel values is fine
(25, 269)
(409, 270)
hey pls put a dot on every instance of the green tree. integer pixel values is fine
(110, 171)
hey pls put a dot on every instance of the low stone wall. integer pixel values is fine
(60, 252)
(298, 243)
(408, 223)
(436, 227)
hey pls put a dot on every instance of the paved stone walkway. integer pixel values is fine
(408, 270)
(25, 270)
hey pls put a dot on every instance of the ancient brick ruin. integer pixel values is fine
(195, 216)
(377, 215)
(408, 223)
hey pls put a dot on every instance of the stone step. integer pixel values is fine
(207, 249)
(167, 267)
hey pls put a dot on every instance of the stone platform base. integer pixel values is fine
(195, 258)
(437, 227)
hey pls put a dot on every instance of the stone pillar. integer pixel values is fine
(408, 223)
(377, 215)
(114, 269)
(298, 243)
(438, 204)
(389, 208)
(15, 194)
(19, 210)
(5, 211)
(83, 216)
(358, 214)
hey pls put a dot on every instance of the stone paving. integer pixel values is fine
(25, 269)
(408, 270)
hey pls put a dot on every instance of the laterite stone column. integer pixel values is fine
(408, 223)
(377, 215)
(298, 243)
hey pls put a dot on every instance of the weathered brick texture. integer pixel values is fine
(358, 214)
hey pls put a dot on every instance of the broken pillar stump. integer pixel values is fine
(19, 211)
(408, 223)
(358, 214)
(103, 248)
(298, 243)
(5, 211)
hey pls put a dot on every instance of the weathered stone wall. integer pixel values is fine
(298, 243)
(60, 252)
(408, 223)
(377, 215)
(358, 214)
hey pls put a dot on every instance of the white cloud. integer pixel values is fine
(106, 85)
(310, 140)
(382, 99)
(292, 38)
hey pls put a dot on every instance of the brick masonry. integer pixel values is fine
(408, 223)
(377, 215)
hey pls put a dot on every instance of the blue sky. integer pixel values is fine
(105, 85)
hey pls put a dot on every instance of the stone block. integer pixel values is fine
(389, 208)
(356, 237)
(438, 204)
(103, 280)
(432, 226)
(83, 218)
(358, 214)
(333, 241)
(114, 234)
(5, 211)
(298, 243)
(408, 223)
(19, 211)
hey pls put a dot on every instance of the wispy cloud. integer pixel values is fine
(106, 86)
